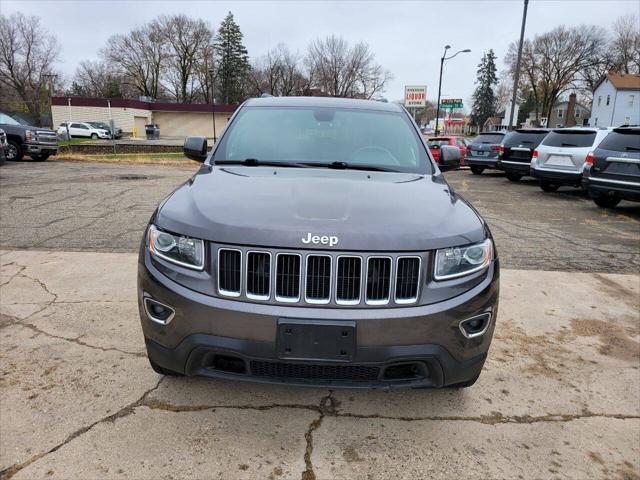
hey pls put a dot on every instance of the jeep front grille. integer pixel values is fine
(229, 272)
(318, 278)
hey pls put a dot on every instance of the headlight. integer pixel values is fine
(458, 261)
(29, 135)
(185, 251)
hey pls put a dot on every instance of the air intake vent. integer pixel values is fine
(258, 275)
(229, 267)
(348, 280)
(407, 279)
(356, 373)
(318, 279)
(378, 280)
(288, 277)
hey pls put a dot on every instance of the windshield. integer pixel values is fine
(622, 140)
(570, 138)
(7, 120)
(324, 135)
(438, 143)
(488, 138)
(526, 139)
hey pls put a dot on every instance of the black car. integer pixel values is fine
(117, 133)
(4, 147)
(612, 171)
(484, 151)
(517, 149)
(318, 244)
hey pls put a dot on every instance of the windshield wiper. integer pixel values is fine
(254, 162)
(339, 165)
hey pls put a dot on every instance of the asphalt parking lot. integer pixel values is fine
(558, 397)
(104, 207)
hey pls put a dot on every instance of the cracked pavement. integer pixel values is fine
(558, 397)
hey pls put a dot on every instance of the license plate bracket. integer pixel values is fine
(316, 340)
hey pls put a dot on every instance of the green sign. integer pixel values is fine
(452, 106)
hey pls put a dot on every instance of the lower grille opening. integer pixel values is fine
(362, 373)
(406, 371)
(226, 363)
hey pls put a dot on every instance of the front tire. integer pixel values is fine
(466, 384)
(94, 136)
(476, 170)
(513, 177)
(549, 187)
(607, 201)
(163, 371)
(14, 153)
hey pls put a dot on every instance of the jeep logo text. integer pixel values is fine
(320, 239)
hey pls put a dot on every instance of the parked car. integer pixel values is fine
(38, 143)
(4, 146)
(560, 157)
(612, 171)
(104, 126)
(77, 129)
(517, 149)
(484, 150)
(436, 142)
(318, 245)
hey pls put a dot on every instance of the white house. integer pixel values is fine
(616, 100)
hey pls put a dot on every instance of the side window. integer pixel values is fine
(608, 99)
(578, 113)
(559, 113)
(84, 127)
(75, 125)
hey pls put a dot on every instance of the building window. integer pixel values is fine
(608, 99)
(578, 113)
(599, 99)
(596, 124)
(627, 120)
(559, 113)
(631, 99)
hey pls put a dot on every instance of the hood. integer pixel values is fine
(278, 207)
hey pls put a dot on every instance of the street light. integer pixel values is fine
(444, 57)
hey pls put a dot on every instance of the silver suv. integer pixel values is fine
(559, 159)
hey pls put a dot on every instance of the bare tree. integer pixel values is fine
(98, 79)
(343, 71)
(187, 39)
(27, 57)
(625, 45)
(140, 56)
(278, 73)
(555, 62)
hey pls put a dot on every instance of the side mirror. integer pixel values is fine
(195, 148)
(449, 153)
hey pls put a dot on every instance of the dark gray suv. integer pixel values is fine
(318, 244)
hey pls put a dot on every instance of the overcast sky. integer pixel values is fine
(406, 37)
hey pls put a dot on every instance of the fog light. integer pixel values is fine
(158, 312)
(475, 326)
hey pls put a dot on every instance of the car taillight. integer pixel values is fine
(589, 159)
(535, 155)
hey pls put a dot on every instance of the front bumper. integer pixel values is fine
(40, 148)
(223, 338)
(481, 162)
(557, 177)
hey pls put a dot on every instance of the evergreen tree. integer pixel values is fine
(232, 61)
(484, 100)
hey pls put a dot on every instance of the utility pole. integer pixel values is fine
(516, 77)
(213, 104)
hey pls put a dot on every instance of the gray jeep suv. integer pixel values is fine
(318, 244)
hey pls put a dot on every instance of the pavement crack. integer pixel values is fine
(9, 472)
(327, 407)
